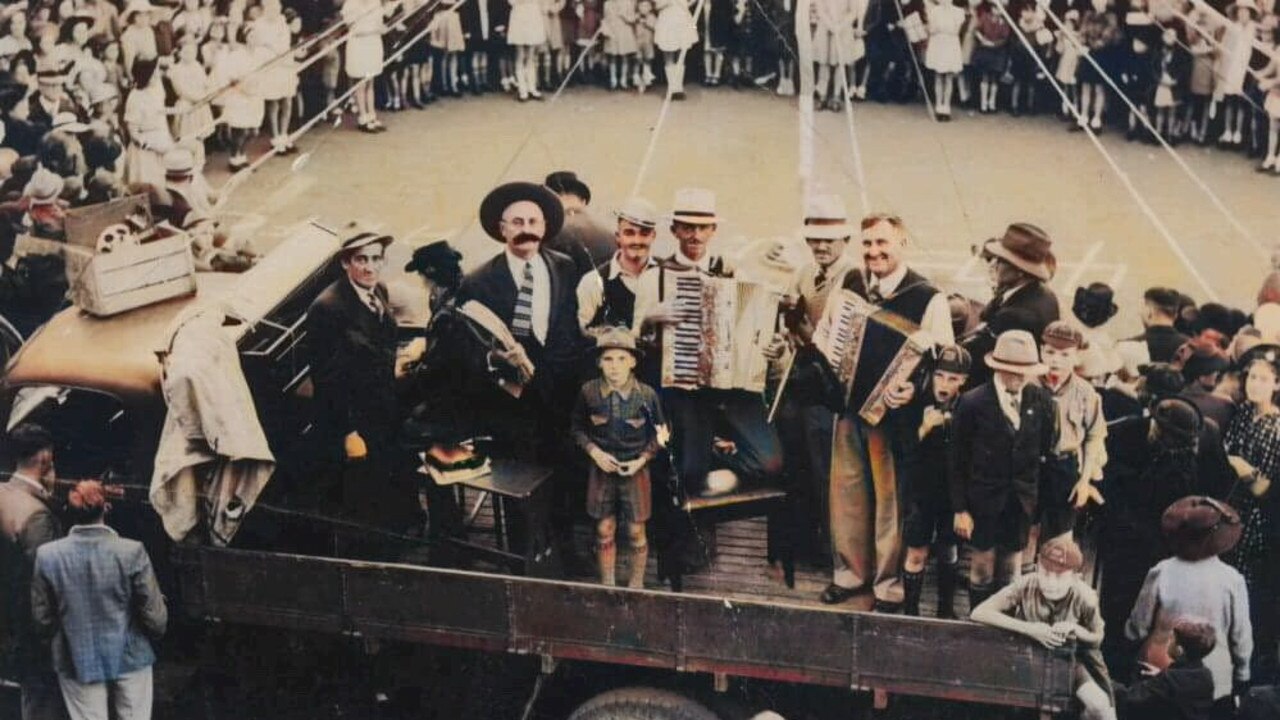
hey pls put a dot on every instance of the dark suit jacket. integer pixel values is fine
(990, 459)
(1182, 692)
(352, 355)
(1031, 308)
(27, 521)
(493, 286)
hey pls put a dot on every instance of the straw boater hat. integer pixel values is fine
(179, 163)
(694, 206)
(69, 123)
(825, 218)
(617, 339)
(1249, 5)
(136, 6)
(361, 239)
(1199, 527)
(44, 187)
(1016, 352)
(1026, 247)
(504, 196)
(638, 211)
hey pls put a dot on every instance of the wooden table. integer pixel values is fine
(524, 547)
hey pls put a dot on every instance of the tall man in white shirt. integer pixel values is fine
(866, 520)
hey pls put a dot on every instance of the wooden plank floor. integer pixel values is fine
(738, 570)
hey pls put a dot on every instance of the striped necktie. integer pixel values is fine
(522, 320)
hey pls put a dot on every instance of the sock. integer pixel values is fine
(913, 587)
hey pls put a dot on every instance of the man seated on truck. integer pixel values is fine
(1054, 606)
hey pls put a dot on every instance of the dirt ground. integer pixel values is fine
(955, 184)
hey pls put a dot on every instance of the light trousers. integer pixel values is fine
(128, 697)
(866, 521)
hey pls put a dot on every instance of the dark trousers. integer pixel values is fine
(1057, 515)
(805, 432)
(697, 417)
(42, 697)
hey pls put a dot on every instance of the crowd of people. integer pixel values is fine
(95, 95)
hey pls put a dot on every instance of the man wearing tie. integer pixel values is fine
(351, 338)
(866, 521)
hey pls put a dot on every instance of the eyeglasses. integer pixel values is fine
(368, 259)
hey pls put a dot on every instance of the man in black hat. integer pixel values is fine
(532, 290)
(583, 238)
(1202, 366)
(19, 132)
(1020, 264)
(351, 338)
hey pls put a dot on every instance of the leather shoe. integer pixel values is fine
(884, 607)
(834, 594)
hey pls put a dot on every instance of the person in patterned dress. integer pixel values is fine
(1254, 435)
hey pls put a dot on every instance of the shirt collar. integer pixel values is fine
(362, 292)
(40, 490)
(615, 267)
(1012, 291)
(1005, 390)
(91, 529)
(517, 265)
(624, 392)
(889, 283)
(704, 264)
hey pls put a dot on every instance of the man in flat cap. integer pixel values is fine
(351, 337)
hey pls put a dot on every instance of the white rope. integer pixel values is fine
(804, 96)
(1146, 122)
(662, 113)
(1115, 166)
(1217, 44)
(853, 134)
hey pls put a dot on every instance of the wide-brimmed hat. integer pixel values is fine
(1269, 352)
(694, 206)
(617, 338)
(431, 258)
(179, 161)
(1016, 352)
(1027, 248)
(1249, 5)
(1062, 334)
(69, 122)
(638, 211)
(825, 218)
(566, 182)
(1061, 554)
(1199, 527)
(1095, 304)
(44, 187)
(503, 196)
(954, 359)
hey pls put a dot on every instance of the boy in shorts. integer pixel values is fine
(616, 421)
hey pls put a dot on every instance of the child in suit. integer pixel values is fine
(616, 421)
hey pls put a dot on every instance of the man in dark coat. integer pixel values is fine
(1160, 308)
(351, 337)
(1002, 430)
(533, 291)
(27, 521)
(586, 240)
(1020, 265)
(1184, 690)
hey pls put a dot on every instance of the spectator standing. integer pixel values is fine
(526, 32)
(277, 73)
(364, 56)
(147, 125)
(96, 594)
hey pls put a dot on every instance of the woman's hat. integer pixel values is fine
(1261, 351)
(504, 196)
(1026, 247)
(825, 218)
(1094, 304)
(1061, 554)
(638, 211)
(44, 187)
(1016, 352)
(694, 206)
(617, 338)
(1200, 527)
(1249, 5)
(566, 182)
(433, 257)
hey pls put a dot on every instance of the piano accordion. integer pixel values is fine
(840, 341)
(719, 342)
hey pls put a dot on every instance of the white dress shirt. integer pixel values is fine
(541, 291)
(591, 288)
(935, 324)
(647, 286)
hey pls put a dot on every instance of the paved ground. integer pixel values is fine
(955, 184)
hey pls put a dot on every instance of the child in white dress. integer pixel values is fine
(674, 33)
(620, 40)
(190, 82)
(271, 42)
(526, 31)
(945, 20)
(1068, 49)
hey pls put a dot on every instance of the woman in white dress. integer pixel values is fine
(556, 58)
(527, 31)
(138, 39)
(242, 106)
(365, 27)
(674, 33)
(147, 125)
(620, 40)
(1235, 47)
(193, 19)
(943, 53)
(832, 25)
(190, 83)
(270, 41)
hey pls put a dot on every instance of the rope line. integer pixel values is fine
(1115, 166)
(1146, 122)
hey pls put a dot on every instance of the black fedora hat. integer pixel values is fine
(503, 196)
(432, 257)
(567, 182)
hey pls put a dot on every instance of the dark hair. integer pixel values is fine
(1196, 637)
(28, 440)
(25, 57)
(1166, 300)
(86, 503)
(143, 70)
(872, 219)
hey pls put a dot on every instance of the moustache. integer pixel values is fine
(527, 237)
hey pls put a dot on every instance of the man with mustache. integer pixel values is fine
(607, 296)
(866, 521)
(531, 289)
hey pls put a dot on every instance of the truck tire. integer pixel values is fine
(641, 703)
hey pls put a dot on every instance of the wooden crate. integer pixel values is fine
(134, 276)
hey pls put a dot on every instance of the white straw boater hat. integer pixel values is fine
(1016, 352)
(638, 211)
(694, 206)
(825, 218)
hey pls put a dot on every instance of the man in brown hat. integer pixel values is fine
(1020, 264)
(1002, 429)
(1195, 582)
(866, 518)
(351, 337)
(1053, 606)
